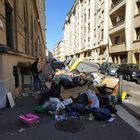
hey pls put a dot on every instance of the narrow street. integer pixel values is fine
(12, 129)
(62, 65)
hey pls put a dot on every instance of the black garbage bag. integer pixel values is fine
(66, 83)
(78, 81)
(105, 103)
(43, 98)
(55, 90)
(82, 99)
(102, 114)
(103, 99)
(111, 108)
(80, 108)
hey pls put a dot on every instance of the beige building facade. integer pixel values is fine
(22, 39)
(58, 51)
(103, 30)
(86, 30)
(124, 31)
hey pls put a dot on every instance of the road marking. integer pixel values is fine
(127, 117)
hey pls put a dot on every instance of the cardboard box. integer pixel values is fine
(111, 85)
(110, 82)
(74, 92)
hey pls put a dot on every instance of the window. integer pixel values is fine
(9, 25)
(31, 26)
(85, 17)
(16, 76)
(88, 39)
(138, 6)
(102, 16)
(84, 30)
(117, 40)
(88, 13)
(138, 33)
(102, 33)
(88, 27)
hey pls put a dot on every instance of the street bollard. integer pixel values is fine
(120, 89)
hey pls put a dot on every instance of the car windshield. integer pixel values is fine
(114, 65)
(71, 62)
(134, 66)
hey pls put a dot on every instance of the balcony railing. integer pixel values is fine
(115, 3)
(116, 24)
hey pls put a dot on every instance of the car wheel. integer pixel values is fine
(128, 77)
(116, 75)
(138, 81)
(106, 73)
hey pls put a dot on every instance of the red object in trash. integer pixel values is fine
(90, 101)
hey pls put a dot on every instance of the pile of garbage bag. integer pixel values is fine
(77, 96)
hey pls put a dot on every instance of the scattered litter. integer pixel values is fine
(113, 115)
(67, 101)
(10, 99)
(21, 130)
(103, 125)
(91, 117)
(60, 117)
(111, 120)
(29, 119)
(126, 101)
(25, 94)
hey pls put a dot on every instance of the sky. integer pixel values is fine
(56, 13)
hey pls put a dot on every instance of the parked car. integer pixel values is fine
(58, 65)
(129, 72)
(108, 68)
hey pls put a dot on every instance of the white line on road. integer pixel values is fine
(127, 117)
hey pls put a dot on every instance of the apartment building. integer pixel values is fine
(58, 51)
(134, 53)
(104, 30)
(86, 30)
(124, 31)
(22, 39)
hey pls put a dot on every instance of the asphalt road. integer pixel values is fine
(12, 129)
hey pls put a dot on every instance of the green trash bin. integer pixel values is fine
(39, 109)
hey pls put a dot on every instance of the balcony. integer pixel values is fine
(138, 7)
(136, 45)
(117, 5)
(117, 48)
(117, 26)
(137, 20)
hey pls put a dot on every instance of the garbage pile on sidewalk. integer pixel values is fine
(79, 96)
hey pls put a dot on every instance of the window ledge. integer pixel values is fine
(135, 41)
(138, 14)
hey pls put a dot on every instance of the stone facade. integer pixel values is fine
(22, 39)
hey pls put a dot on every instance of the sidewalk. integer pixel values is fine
(12, 129)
